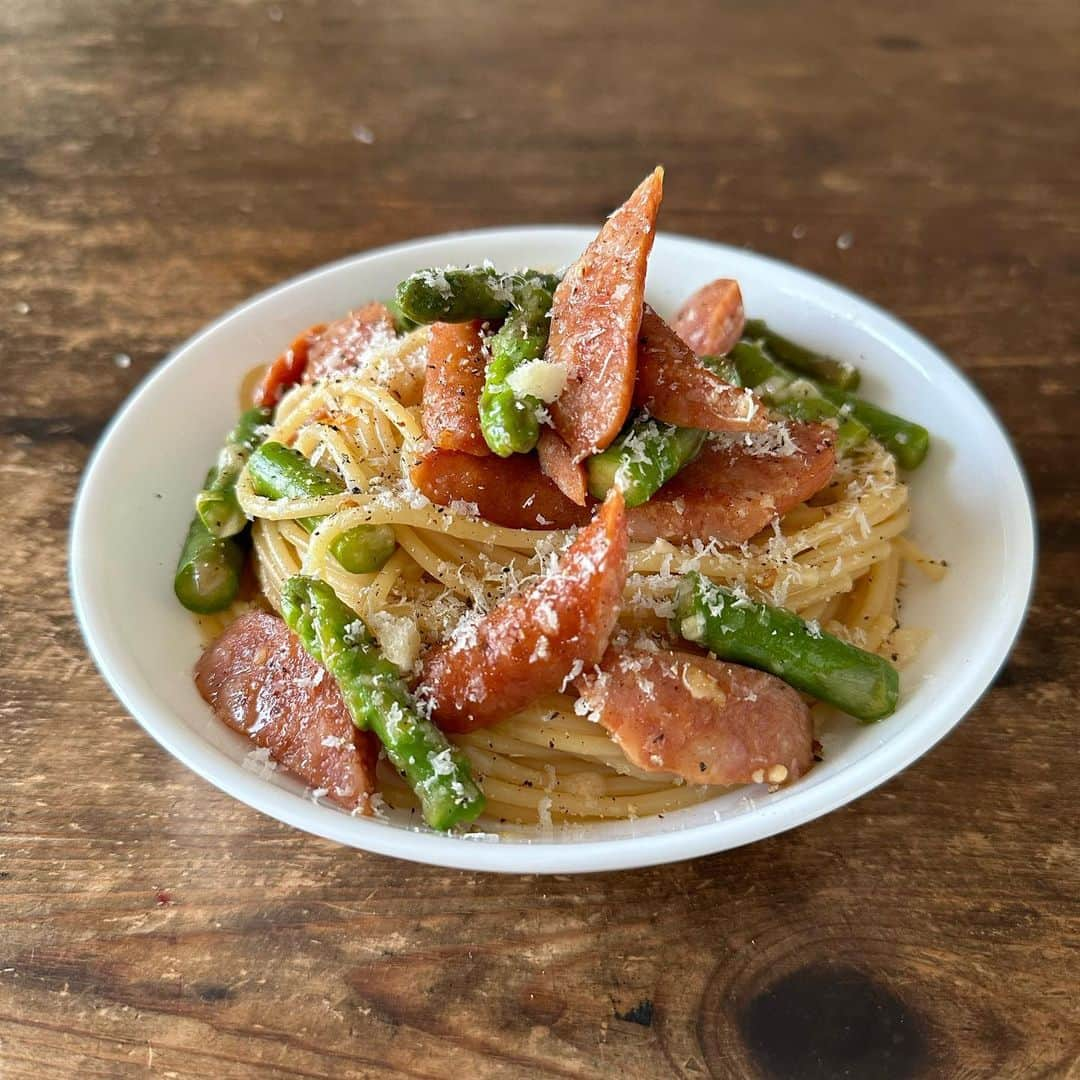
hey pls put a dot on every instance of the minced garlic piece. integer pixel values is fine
(541, 379)
(702, 685)
(398, 637)
(777, 774)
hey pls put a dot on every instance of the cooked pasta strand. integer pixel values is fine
(836, 560)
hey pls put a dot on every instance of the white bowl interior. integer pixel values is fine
(970, 503)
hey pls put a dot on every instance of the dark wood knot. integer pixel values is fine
(829, 1021)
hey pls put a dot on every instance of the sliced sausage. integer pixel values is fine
(712, 320)
(557, 462)
(288, 369)
(676, 387)
(594, 323)
(259, 680)
(450, 409)
(507, 491)
(705, 720)
(738, 484)
(538, 638)
(341, 346)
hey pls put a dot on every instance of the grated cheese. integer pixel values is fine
(702, 686)
(398, 637)
(541, 379)
(260, 762)
(775, 441)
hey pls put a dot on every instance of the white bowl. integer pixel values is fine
(970, 501)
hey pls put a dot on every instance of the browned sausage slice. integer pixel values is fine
(733, 490)
(288, 369)
(538, 638)
(676, 387)
(594, 323)
(450, 410)
(557, 462)
(259, 680)
(507, 491)
(341, 346)
(712, 320)
(705, 720)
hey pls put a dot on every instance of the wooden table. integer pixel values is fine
(160, 163)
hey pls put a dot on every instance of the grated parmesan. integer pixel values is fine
(398, 637)
(541, 379)
(260, 762)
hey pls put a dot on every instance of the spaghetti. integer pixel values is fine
(835, 560)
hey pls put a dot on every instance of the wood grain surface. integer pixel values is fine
(159, 163)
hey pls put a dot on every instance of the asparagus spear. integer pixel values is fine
(378, 700)
(208, 573)
(801, 399)
(907, 441)
(643, 458)
(402, 323)
(778, 641)
(452, 295)
(823, 368)
(540, 277)
(509, 422)
(458, 295)
(723, 368)
(279, 472)
(216, 504)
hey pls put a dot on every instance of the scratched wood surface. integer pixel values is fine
(161, 162)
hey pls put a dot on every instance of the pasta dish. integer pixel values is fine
(512, 549)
